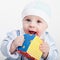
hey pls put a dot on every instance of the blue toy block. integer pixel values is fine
(26, 43)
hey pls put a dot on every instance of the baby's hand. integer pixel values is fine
(45, 49)
(19, 41)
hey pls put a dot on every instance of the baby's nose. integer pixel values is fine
(32, 25)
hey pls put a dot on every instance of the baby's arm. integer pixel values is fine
(52, 52)
(6, 45)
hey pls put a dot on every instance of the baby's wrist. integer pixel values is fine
(45, 55)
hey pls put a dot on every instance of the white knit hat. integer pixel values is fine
(37, 8)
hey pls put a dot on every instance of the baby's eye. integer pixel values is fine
(38, 21)
(28, 20)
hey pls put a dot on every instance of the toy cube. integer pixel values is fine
(30, 47)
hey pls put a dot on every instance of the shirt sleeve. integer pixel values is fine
(53, 53)
(6, 43)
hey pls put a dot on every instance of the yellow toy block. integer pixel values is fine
(34, 50)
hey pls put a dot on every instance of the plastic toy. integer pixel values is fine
(30, 47)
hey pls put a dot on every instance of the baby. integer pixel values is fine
(35, 19)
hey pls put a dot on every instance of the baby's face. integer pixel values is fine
(34, 25)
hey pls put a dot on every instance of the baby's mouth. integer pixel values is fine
(32, 32)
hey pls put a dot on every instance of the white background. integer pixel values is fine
(10, 12)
